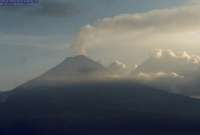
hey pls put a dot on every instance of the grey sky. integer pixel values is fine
(36, 38)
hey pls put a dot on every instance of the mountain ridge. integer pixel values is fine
(117, 106)
(109, 106)
(74, 69)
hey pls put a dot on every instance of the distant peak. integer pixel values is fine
(78, 58)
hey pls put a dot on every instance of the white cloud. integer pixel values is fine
(161, 60)
(118, 69)
(118, 65)
(136, 34)
(158, 75)
(178, 56)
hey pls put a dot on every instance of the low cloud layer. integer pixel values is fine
(130, 34)
(170, 70)
(160, 60)
(158, 75)
(179, 56)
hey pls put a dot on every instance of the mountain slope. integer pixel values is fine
(116, 107)
(50, 105)
(73, 69)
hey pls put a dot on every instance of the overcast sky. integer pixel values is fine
(36, 38)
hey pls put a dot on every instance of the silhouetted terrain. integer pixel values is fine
(97, 108)
(56, 104)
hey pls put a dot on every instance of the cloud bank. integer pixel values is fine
(179, 56)
(170, 70)
(176, 28)
(161, 60)
(158, 75)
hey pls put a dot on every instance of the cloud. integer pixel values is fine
(118, 68)
(182, 56)
(161, 60)
(173, 28)
(118, 65)
(158, 75)
(170, 70)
